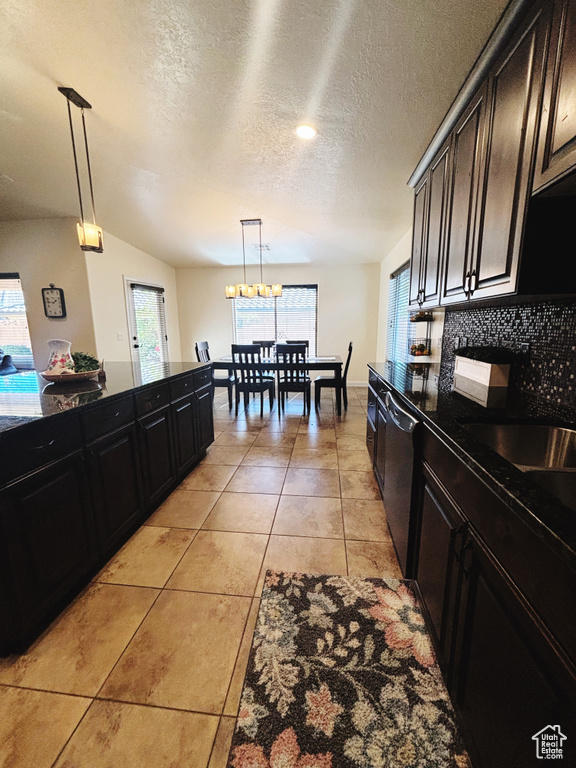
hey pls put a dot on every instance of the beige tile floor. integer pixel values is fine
(146, 667)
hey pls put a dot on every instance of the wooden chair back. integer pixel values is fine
(301, 341)
(202, 352)
(347, 364)
(243, 354)
(266, 347)
(290, 354)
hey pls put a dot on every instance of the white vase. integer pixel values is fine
(60, 358)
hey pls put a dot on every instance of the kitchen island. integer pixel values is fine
(83, 465)
(494, 557)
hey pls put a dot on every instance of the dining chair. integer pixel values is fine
(331, 381)
(301, 341)
(228, 381)
(292, 377)
(266, 347)
(250, 379)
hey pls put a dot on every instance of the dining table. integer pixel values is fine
(312, 363)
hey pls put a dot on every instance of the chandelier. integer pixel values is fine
(243, 290)
(89, 234)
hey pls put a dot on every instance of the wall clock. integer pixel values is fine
(54, 304)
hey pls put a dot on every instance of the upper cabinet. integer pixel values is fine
(469, 229)
(428, 242)
(557, 137)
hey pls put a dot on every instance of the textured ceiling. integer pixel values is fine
(195, 103)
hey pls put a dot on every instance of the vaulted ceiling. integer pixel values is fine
(195, 105)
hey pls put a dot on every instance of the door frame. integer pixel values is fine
(134, 353)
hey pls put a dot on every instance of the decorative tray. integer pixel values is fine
(62, 378)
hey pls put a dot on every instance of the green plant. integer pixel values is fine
(84, 362)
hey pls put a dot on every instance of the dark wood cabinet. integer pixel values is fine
(466, 167)
(205, 419)
(508, 682)
(186, 434)
(441, 532)
(47, 542)
(156, 454)
(557, 136)
(513, 90)
(116, 483)
(429, 230)
(380, 447)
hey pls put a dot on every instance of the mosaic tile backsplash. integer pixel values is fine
(548, 373)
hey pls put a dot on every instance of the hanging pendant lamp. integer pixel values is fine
(243, 290)
(89, 234)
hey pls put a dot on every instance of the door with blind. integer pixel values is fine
(397, 337)
(148, 335)
(14, 334)
(290, 317)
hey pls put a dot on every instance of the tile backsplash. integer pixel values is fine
(548, 372)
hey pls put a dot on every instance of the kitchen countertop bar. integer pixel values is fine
(26, 397)
(446, 412)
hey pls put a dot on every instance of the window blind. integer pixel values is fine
(398, 316)
(149, 324)
(292, 316)
(14, 334)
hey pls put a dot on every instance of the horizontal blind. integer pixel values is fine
(297, 315)
(398, 316)
(254, 319)
(14, 334)
(149, 321)
(292, 316)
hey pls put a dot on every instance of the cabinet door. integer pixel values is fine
(184, 421)
(514, 87)
(156, 455)
(439, 550)
(509, 682)
(467, 141)
(46, 541)
(205, 418)
(116, 484)
(418, 241)
(557, 138)
(435, 229)
(380, 449)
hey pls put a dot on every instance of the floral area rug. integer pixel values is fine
(342, 673)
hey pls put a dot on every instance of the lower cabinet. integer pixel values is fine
(186, 450)
(509, 683)
(116, 483)
(505, 677)
(47, 542)
(380, 447)
(205, 418)
(156, 454)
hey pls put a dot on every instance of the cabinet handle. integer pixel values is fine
(467, 283)
(114, 416)
(41, 447)
(467, 559)
(473, 279)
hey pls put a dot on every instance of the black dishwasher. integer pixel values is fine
(401, 428)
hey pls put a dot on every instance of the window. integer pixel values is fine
(148, 329)
(14, 334)
(397, 337)
(293, 316)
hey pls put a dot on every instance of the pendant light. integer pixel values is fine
(244, 290)
(89, 234)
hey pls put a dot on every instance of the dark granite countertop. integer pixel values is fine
(25, 396)
(445, 413)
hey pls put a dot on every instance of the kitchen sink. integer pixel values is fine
(529, 446)
(546, 454)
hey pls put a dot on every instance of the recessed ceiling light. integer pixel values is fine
(306, 131)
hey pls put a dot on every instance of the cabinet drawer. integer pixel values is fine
(182, 387)
(108, 417)
(152, 398)
(202, 378)
(381, 389)
(372, 379)
(37, 444)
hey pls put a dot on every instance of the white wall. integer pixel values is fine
(347, 308)
(106, 276)
(399, 255)
(45, 251)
